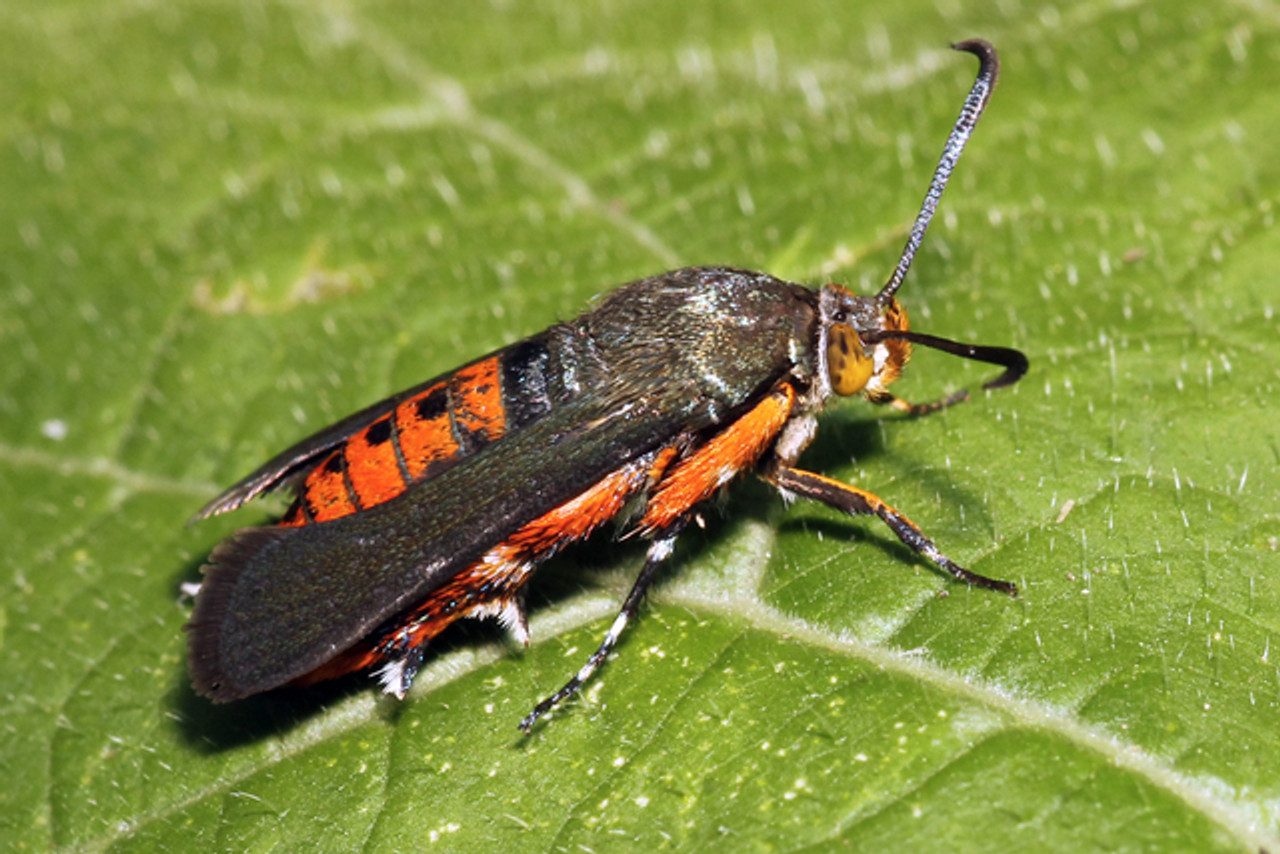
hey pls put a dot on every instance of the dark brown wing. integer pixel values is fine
(279, 602)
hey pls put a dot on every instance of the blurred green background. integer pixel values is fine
(225, 224)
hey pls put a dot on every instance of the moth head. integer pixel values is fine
(867, 343)
(859, 359)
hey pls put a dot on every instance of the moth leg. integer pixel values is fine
(398, 676)
(659, 551)
(859, 502)
(906, 407)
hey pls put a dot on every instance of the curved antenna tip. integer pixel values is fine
(974, 104)
(988, 57)
(981, 48)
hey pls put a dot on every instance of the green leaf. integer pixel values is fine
(226, 225)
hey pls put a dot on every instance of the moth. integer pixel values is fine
(440, 502)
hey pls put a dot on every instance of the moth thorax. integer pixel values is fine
(848, 365)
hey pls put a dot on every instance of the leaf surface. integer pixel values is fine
(230, 224)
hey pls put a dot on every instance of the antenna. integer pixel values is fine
(979, 95)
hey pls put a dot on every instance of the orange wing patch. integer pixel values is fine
(369, 469)
(326, 492)
(476, 398)
(372, 466)
(422, 423)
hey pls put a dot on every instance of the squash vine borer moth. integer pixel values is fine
(439, 502)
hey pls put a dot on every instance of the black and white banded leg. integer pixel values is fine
(659, 550)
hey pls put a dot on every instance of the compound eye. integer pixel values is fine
(848, 367)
